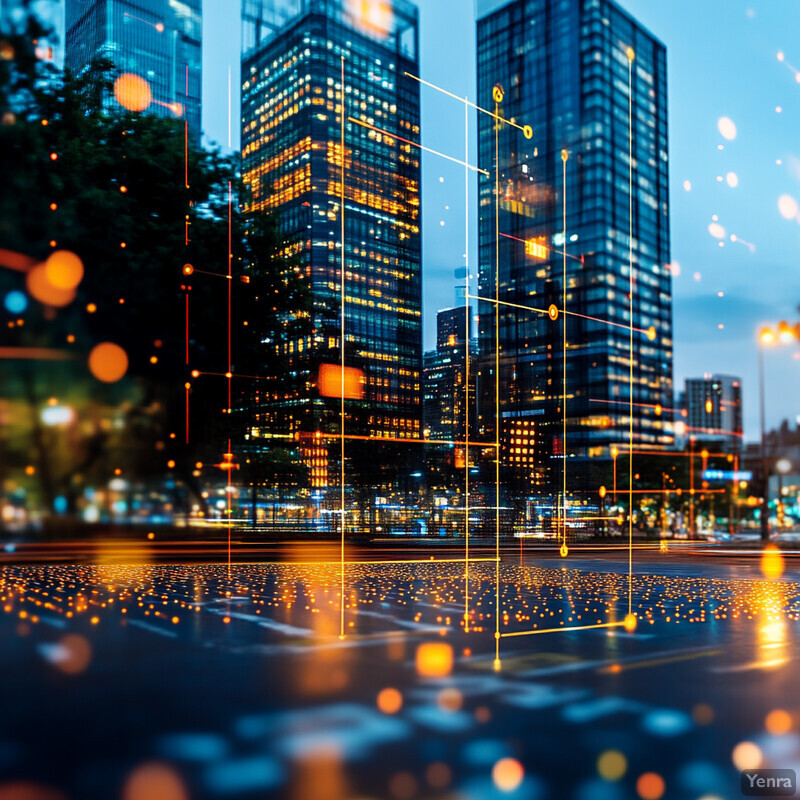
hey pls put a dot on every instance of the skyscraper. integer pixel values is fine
(714, 410)
(302, 152)
(158, 40)
(562, 68)
(445, 375)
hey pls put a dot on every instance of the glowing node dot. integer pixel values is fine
(630, 622)
(781, 56)
(651, 333)
(552, 312)
(160, 27)
(778, 109)
(687, 186)
(507, 774)
(716, 230)
(772, 562)
(564, 551)
(630, 53)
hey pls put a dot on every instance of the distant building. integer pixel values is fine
(561, 67)
(158, 40)
(445, 398)
(296, 53)
(713, 406)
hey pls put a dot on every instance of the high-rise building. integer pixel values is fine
(713, 407)
(158, 40)
(561, 67)
(445, 375)
(303, 149)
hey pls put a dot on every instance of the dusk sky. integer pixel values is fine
(723, 62)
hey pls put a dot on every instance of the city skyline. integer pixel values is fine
(700, 345)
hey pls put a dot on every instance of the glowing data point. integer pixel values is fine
(630, 53)
(630, 623)
(552, 312)
(527, 131)
(564, 550)
(564, 155)
(497, 93)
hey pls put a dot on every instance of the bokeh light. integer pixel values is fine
(108, 362)
(650, 786)
(778, 722)
(727, 128)
(154, 781)
(132, 92)
(64, 269)
(507, 774)
(16, 302)
(787, 206)
(611, 765)
(43, 290)
(389, 701)
(434, 659)
(771, 562)
(746, 755)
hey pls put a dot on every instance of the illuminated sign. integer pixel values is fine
(536, 247)
(727, 475)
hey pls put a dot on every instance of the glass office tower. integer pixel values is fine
(296, 56)
(158, 40)
(561, 66)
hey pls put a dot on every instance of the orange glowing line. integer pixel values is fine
(146, 22)
(16, 261)
(35, 353)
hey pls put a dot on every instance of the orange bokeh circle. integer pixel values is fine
(63, 269)
(108, 362)
(132, 92)
(45, 291)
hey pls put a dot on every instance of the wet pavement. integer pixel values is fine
(178, 681)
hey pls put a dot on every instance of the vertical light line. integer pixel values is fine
(230, 289)
(564, 156)
(187, 328)
(186, 134)
(466, 363)
(230, 363)
(497, 380)
(630, 310)
(341, 353)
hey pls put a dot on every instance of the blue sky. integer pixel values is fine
(722, 62)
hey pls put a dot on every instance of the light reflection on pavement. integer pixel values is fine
(193, 681)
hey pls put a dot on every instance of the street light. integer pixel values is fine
(767, 336)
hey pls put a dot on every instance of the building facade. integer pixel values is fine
(446, 372)
(555, 209)
(713, 406)
(303, 152)
(158, 40)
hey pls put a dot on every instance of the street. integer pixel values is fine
(200, 680)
